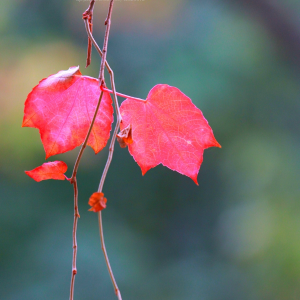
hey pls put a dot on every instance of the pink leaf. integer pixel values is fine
(62, 107)
(169, 129)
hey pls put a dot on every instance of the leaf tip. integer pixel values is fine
(217, 144)
(29, 174)
(213, 143)
(24, 123)
(194, 178)
(48, 154)
(144, 170)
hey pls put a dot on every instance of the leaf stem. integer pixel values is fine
(122, 95)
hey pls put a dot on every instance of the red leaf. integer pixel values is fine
(49, 170)
(62, 107)
(169, 129)
(98, 202)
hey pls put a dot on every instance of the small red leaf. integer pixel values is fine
(169, 129)
(49, 170)
(62, 107)
(98, 202)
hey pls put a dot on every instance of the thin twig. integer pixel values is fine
(110, 156)
(107, 165)
(112, 143)
(76, 216)
(86, 139)
(88, 15)
(113, 139)
(117, 291)
(119, 118)
(122, 95)
(73, 181)
(105, 43)
(109, 69)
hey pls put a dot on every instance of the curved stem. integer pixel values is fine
(111, 149)
(117, 291)
(105, 43)
(76, 216)
(110, 156)
(109, 69)
(119, 119)
(86, 139)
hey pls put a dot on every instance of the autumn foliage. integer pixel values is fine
(166, 128)
(72, 110)
(62, 107)
(49, 170)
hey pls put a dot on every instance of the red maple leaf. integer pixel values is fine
(62, 107)
(49, 170)
(169, 129)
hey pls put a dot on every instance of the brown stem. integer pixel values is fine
(119, 119)
(73, 181)
(105, 43)
(109, 69)
(122, 95)
(110, 156)
(117, 291)
(76, 216)
(86, 140)
(88, 15)
(111, 148)
(109, 159)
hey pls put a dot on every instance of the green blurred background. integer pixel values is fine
(236, 236)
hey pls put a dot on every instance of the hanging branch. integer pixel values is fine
(112, 143)
(35, 115)
(76, 216)
(88, 15)
(110, 71)
(117, 291)
(105, 43)
(73, 181)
